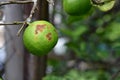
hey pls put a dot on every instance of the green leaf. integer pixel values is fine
(73, 47)
(83, 46)
(112, 31)
(72, 19)
(102, 54)
(52, 77)
(66, 32)
(116, 48)
(73, 75)
(80, 30)
(53, 62)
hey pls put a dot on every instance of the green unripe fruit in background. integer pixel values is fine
(40, 37)
(103, 5)
(76, 7)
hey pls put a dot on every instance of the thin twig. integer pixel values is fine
(14, 23)
(28, 20)
(21, 28)
(15, 2)
(32, 12)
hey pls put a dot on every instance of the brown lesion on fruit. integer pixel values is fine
(39, 28)
(49, 36)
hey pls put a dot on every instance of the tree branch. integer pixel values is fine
(13, 23)
(28, 20)
(15, 2)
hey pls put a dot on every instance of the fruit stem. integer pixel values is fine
(28, 20)
(21, 28)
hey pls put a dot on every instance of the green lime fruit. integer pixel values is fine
(76, 7)
(40, 37)
(103, 5)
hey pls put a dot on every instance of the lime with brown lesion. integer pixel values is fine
(40, 37)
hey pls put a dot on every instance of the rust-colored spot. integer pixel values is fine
(39, 28)
(49, 36)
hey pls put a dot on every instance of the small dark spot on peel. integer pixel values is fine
(39, 28)
(49, 36)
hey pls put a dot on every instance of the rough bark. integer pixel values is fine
(42, 14)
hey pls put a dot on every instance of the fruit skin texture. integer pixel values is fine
(76, 7)
(40, 37)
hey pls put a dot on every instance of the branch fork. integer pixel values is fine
(28, 20)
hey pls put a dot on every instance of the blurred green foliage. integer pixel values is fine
(83, 75)
(94, 38)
